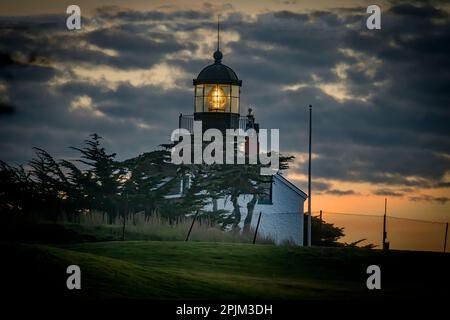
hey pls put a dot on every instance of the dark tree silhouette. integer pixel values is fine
(103, 174)
(120, 189)
(322, 233)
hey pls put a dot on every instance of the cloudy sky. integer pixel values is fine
(381, 98)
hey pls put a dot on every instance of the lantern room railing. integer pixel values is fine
(187, 122)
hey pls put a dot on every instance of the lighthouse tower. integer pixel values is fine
(217, 91)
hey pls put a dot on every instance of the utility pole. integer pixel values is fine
(385, 245)
(309, 179)
(445, 239)
(320, 230)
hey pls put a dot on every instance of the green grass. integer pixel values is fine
(153, 230)
(196, 270)
(160, 232)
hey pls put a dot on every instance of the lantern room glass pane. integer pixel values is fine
(198, 104)
(198, 98)
(234, 105)
(227, 90)
(235, 93)
(217, 98)
(235, 90)
(199, 90)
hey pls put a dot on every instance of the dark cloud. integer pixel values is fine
(292, 15)
(6, 109)
(418, 11)
(134, 49)
(339, 193)
(115, 12)
(389, 126)
(6, 60)
(428, 198)
(396, 134)
(316, 185)
(388, 193)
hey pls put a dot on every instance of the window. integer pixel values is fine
(266, 198)
(235, 93)
(217, 98)
(199, 98)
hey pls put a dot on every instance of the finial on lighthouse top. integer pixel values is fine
(218, 55)
(218, 73)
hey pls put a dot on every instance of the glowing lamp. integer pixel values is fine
(216, 99)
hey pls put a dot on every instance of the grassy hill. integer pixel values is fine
(198, 270)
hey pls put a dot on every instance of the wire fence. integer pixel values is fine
(402, 233)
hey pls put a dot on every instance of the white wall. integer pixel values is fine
(282, 220)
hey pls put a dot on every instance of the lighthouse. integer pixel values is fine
(217, 91)
(216, 105)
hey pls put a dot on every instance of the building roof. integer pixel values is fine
(291, 186)
(217, 73)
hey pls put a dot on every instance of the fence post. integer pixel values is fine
(125, 217)
(445, 239)
(385, 243)
(257, 227)
(192, 224)
(320, 227)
